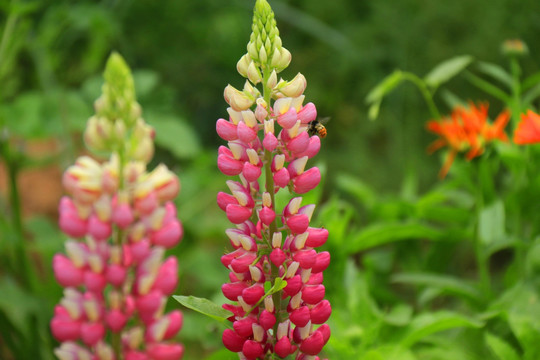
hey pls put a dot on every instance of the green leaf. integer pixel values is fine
(373, 111)
(204, 306)
(451, 99)
(279, 284)
(175, 135)
(491, 223)
(500, 348)
(390, 352)
(383, 233)
(530, 81)
(496, 72)
(487, 87)
(531, 94)
(444, 282)
(430, 323)
(17, 304)
(385, 86)
(222, 354)
(357, 188)
(376, 94)
(145, 82)
(400, 315)
(447, 70)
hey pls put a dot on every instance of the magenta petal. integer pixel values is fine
(226, 130)
(245, 133)
(307, 180)
(232, 340)
(243, 327)
(298, 223)
(267, 320)
(317, 237)
(313, 344)
(229, 165)
(169, 235)
(321, 312)
(299, 143)
(92, 333)
(65, 272)
(252, 349)
(313, 294)
(270, 142)
(300, 317)
(237, 214)
(160, 351)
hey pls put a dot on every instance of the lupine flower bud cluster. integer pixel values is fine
(120, 219)
(268, 150)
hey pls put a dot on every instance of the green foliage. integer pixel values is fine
(420, 269)
(204, 306)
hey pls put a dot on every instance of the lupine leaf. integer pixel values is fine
(357, 188)
(400, 315)
(175, 135)
(447, 70)
(427, 324)
(443, 282)
(223, 354)
(500, 348)
(204, 306)
(390, 352)
(491, 223)
(145, 82)
(383, 233)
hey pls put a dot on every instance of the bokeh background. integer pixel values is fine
(183, 54)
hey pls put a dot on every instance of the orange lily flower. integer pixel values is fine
(528, 129)
(466, 129)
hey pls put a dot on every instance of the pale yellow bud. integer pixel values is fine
(263, 57)
(253, 74)
(276, 59)
(285, 59)
(272, 80)
(242, 65)
(92, 138)
(119, 130)
(236, 99)
(295, 87)
(143, 150)
(252, 51)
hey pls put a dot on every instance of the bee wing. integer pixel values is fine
(324, 120)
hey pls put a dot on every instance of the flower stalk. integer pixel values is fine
(120, 219)
(267, 132)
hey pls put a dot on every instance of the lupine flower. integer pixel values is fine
(528, 129)
(466, 130)
(120, 219)
(268, 148)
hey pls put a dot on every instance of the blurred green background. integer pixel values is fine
(183, 54)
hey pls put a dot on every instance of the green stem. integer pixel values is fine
(269, 185)
(428, 96)
(516, 90)
(482, 260)
(13, 165)
(117, 345)
(6, 35)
